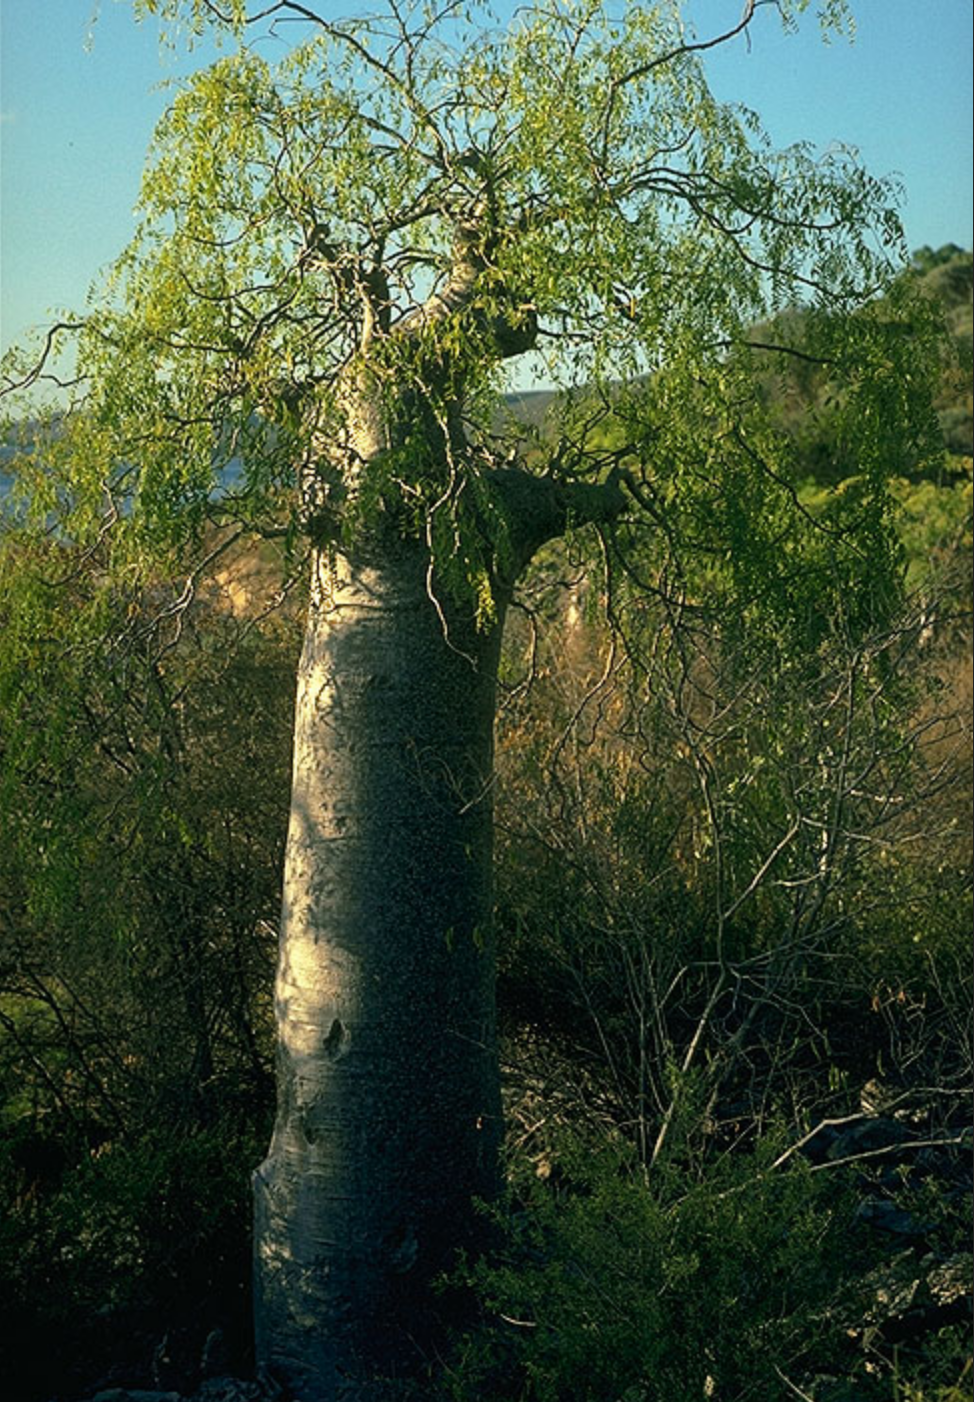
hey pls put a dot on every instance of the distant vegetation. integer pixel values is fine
(800, 388)
(801, 391)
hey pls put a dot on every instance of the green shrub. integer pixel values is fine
(137, 1238)
(615, 1288)
(738, 1277)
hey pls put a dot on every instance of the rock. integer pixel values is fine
(174, 1362)
(215, 1359)
(827, 1388)
(894, 1287)
(885, 1216)
(913, 1299)
(227, 1389)
(818, 1148)
(217, 1389)
(878, 1098)
(135, 1394)
(868, 1137)
(951, 1280)
(213, 1389)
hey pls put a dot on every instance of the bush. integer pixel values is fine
(682, 1286)
(730, 1277)
(138, 1240)
(144, 785)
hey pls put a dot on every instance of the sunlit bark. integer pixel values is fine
(389, 1103)
(389, 1110)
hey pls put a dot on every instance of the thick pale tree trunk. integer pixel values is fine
(388, 1088)
(389, 1106)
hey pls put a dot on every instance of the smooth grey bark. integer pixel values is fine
(388, 1087)
(389, 1108)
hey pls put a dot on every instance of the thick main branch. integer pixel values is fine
(539, 509)
(511, 329)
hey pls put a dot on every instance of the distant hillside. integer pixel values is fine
(530, 407)
(799, 395)
(800, 398)
(947, 273)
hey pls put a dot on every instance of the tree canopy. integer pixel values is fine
(406, 200)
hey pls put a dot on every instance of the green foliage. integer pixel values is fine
(685, 1287)
(720, 1280)
(133, 1230)
(144, 768)
(807, 402)
(733, 887)
(633, 820)
(714, 928)
(300, 221)
(935, 527)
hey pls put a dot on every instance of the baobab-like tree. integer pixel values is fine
(350, 229)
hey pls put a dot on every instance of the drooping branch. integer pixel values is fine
(640, 71)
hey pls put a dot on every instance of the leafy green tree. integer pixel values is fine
(339, 255)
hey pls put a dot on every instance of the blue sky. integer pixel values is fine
(75, 121)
